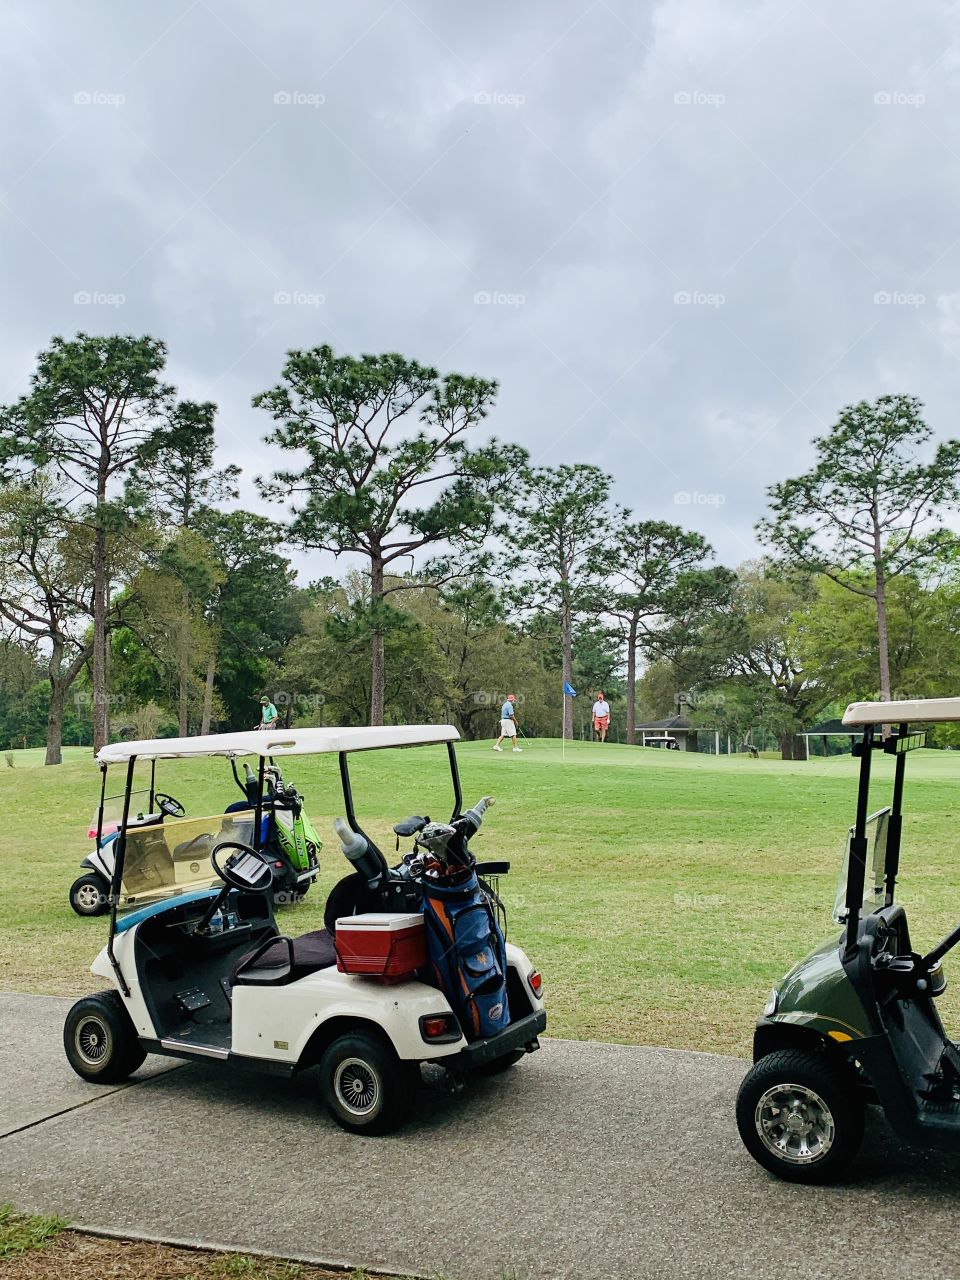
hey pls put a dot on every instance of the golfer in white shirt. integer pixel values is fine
(601, 717)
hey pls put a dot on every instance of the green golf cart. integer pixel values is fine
(856, 1021)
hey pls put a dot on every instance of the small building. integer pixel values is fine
(826, 730)
(675, 733)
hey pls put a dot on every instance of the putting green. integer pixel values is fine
(661, 893)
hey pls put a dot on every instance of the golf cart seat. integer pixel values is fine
(278, 961)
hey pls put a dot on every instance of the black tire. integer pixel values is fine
(822, 1095)
(385, 1085)
(90, 895)
(100, 1040)
(501, 1064)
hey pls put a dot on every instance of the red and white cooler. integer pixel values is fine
(383, 944)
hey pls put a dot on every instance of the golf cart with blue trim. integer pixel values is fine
(856, 1022)
(205, 973)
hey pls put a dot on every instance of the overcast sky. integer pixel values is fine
(681, 235)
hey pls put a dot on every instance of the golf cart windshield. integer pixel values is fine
(174, 856)
(873, 883)
(113, 812)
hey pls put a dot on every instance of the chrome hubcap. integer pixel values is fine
(88, 897)
(795, 1124)
(92, 1040)
(357, 1087)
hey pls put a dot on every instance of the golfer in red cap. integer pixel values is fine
(508, 724)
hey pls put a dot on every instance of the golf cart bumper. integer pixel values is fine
(521, 1034)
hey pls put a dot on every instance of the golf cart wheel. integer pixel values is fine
(366, 1087)
(501, 1064)
(799, 1116)
(90, 895)
(100, 1040)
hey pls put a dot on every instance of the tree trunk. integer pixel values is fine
(880, 595)
(377, 665)
(567, 640)
(788, 744)
(883, 639)
(632, 683)
(208, 691)
(183, 707)
(101, 724)
(58, 694)
(184, 672)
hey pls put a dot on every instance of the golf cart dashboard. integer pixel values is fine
(238, 919)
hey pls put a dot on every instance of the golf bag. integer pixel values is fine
(466, 951)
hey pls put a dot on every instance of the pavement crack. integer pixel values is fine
(89, 1102)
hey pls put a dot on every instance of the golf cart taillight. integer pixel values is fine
(278, 865)
(439, 1028)
(536, 983)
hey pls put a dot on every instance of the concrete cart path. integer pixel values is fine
(35, 1086)
(587, 1161)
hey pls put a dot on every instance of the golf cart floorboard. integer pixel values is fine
(204, 1038)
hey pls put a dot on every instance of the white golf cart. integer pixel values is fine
(166, 847)
(204, 972)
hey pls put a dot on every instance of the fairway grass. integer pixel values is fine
(661, 893)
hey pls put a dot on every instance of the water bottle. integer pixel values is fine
(216, 923)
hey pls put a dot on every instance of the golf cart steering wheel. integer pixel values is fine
(168, 806)
(247, 869)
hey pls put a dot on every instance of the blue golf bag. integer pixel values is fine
(466, 951)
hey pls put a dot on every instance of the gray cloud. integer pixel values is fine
(681, 234)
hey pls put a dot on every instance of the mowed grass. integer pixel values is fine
(662, 894)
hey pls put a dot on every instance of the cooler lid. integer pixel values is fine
(381, 921)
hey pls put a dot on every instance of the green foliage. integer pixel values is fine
(92, 398)
(836, 636)
(869, 499)
(870, 509)
(363, 478)
(560, 552)
(111, 527)
(328, 665)
(559, 531)
(744, 667)
(176, 474)
(389, 471)
(255, 609)
(656, 563)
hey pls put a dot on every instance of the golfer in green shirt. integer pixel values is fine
(268, 714)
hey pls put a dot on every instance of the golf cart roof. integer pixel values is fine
(927, 710)
(279, 742)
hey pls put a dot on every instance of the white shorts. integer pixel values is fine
(508, 729)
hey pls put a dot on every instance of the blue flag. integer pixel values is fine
(569, 690)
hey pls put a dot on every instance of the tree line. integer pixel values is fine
(137, 598)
